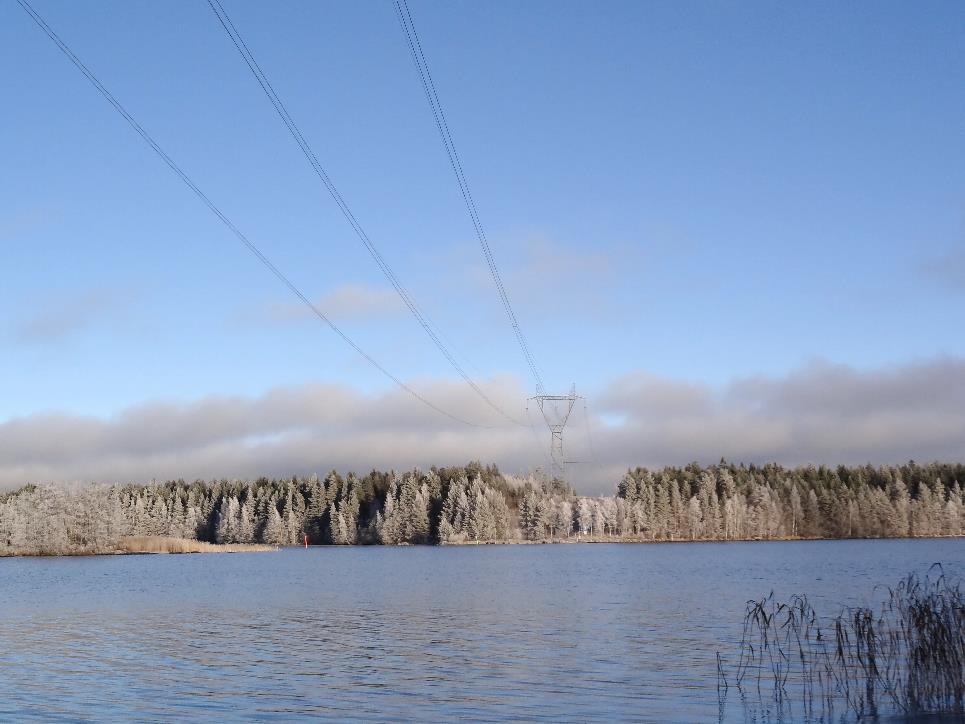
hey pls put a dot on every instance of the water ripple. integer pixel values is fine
(562, 633)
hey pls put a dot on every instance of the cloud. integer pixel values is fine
(820, 413)
(546, 277)
(289, 430)
(948, 270)
(65, 317)
(344, 302)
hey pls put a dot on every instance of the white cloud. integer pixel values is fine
(60, 318)
(544, 277)
(311, 427)
(821, 413)
(344, 302)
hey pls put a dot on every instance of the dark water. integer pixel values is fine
(572, 632)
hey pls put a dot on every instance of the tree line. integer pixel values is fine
(478, 504)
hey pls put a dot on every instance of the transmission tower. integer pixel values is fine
(556, 411)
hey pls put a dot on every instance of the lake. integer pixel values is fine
(561, 632)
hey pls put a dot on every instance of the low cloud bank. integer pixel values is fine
(821, 413)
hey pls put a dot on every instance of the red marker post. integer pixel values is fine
(306, 540)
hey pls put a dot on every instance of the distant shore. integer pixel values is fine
(149, 545)
(661, 541)
(472, 504)
(152, 545)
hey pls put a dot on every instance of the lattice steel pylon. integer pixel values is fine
(556, 411)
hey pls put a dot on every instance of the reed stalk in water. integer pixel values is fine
(908, 656)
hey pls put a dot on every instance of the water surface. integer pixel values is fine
(572, 632)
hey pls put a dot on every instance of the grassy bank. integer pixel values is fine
(153, 544)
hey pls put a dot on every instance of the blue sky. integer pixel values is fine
(691, 191)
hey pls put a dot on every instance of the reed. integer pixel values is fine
(908, 656)
(158, 544)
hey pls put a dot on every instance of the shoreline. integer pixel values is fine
(178, 546)
(153, 546)
(159, 545)
(590, 540)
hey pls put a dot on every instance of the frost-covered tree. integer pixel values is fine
(405, 515)
(245, 531)
(476, 503)
(228, 519)
(274, 532)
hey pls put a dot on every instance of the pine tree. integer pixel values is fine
(796, 509)
(245, 532)
(628, 488)
(662, 513)
(274, 532)
(228, 514)
(316, 504)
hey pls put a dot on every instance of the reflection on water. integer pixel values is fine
(605, 632)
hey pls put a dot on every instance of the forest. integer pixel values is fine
(477, 503)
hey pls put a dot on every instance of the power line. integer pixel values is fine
(65, 49)
(428, 85)
(430, 329)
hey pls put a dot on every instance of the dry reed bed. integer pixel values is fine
(907, 657)
(151, 544)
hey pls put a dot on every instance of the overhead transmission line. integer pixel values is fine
(65, 49)
(414, 43)
(421, 317)
(428, 85)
